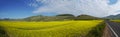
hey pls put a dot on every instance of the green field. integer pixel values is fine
(51, 29)
(116, 20)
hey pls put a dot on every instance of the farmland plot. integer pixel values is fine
(49, 29)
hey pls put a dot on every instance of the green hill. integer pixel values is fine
(117, 17)
(60, 17)
(87, 17)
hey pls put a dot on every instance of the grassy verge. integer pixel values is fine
(2, 32)
(97, 31)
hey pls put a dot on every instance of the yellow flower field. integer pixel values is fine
(49, 29)
(116, 20)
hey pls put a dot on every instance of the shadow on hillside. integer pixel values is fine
(2, 32)
(97, 31)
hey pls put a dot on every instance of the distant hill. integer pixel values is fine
(87, 17)
(66, 16)
(60, 17)
(113, 17)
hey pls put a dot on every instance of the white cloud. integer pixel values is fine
(33, 5)
(99, 8)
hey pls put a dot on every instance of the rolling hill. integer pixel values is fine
(60, 17)
(113, 17)
(87, 17)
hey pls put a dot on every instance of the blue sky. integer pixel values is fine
(15, 9)
(112, 2)
(26, 8)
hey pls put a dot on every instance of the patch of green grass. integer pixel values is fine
(2, 32)
(97, 31)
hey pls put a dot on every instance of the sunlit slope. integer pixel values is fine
(49, 29)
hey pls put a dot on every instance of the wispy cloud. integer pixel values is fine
(99, 8)
(33, 5)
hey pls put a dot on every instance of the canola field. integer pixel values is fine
(116, 20)
(49, 29)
